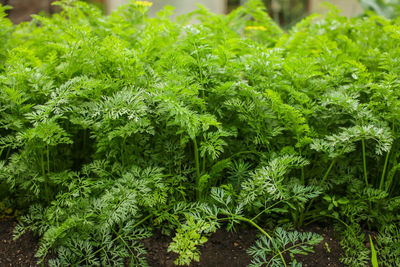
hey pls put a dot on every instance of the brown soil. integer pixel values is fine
(19, 253)
(229, 249)
(222, 249)
(327, 253)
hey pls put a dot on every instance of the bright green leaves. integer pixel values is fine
(292, 118)
(103, 212)
(124, 106)
(186, 119)
(49, 132)
(186, 240)
(267, 252)
(267, 181)
(344, 142)
(213, 144)
(333, 204)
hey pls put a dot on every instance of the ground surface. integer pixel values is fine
(222, 249)
(16, 253)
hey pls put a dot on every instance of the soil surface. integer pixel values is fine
(19, 253)
(222, 249)
(327, 253)
(229, 249)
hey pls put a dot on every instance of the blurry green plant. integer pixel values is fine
(386, 8)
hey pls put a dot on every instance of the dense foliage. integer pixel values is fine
(112, 126)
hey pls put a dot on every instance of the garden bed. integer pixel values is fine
(20, 252)
(115, 127)
(223, 249)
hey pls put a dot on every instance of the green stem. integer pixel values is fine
(263, 232)
(364, 162)
(301, 220)
(48, 159)
(266, 209)
(42, 165)
(388, 186)
(204, 164)
(123, 151)
(84, 138)
(384, 170)
(244, 219)
(197, 164)
(46, 188)
(330, 216)
(327, 173)
(365, 168)
(8, 152)
(200, 72)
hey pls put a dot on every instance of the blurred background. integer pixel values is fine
(284, 12)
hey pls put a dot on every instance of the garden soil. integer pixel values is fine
(223, 249)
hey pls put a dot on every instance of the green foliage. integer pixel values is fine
(374, 257)
(388, 8)
(265, 251)
(188, 236)
(388, 243)
(111, 126)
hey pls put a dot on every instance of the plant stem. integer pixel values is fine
(389, 184)
(244, 219)
(46, 189)
(301, 220)
(84, 138)
(327, 173)
(123, 151)
(48, 159)
(42, 165)
(333, 217)
(204, 164)
(264, 233)
(200, 72)
(302, 171)
(8, 152)
(365, 168)
(364, 162)
(384, 170)
(197, 165)
(266, 209)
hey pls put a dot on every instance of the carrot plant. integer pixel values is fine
(112, 126)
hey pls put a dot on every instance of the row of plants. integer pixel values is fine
(113, 126)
